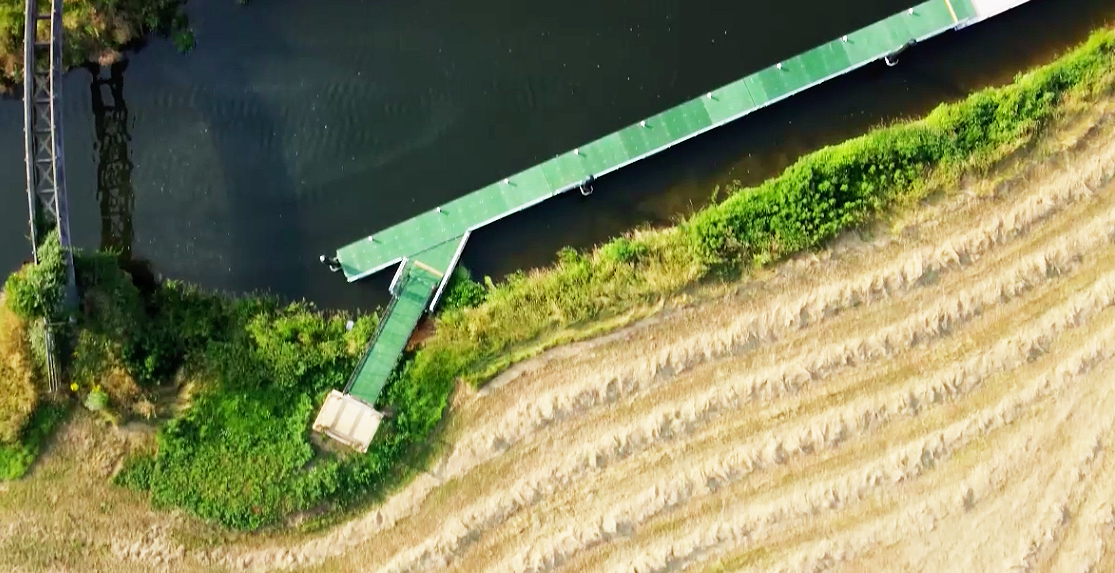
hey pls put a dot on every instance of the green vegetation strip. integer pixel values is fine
(16, 457)
(252, 371)
(824, 193)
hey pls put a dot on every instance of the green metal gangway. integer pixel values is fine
(414, 289)
(653, 135)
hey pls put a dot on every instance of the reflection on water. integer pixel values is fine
(114, 162)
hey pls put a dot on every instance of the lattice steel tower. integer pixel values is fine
(42, 121)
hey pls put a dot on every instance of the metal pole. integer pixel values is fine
(61, 203)
(31, 9)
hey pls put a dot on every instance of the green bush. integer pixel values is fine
(623, 250)
(36, 291)
(462, 291)
(843, 186)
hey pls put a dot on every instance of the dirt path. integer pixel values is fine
(937, 399)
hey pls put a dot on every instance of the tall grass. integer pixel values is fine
(18, 394)
(18, 456)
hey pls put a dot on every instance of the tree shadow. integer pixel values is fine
(254, 208)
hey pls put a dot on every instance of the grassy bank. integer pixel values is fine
(247, 374)
(95, 30)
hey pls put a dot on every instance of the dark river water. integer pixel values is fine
(297, 126)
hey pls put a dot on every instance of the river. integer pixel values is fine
(295, 127)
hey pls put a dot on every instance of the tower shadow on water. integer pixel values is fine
(115, 194)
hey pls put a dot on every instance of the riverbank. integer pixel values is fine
(822, 194)
(95, 31)
(244, 376)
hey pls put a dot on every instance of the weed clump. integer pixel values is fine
(18, 394)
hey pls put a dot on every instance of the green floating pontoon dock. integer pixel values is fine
(430, 244)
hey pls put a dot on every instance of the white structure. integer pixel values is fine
(988, 8)
(348, 420)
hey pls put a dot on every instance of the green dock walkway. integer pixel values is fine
(653, 135)
(417, 283)
(413, 291)
(430, 244)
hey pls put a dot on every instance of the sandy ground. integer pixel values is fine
(935, 399)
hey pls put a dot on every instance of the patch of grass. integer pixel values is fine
(16, 458)
(136, 473)
(33, 551)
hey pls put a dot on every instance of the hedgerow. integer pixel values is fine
(846, 185)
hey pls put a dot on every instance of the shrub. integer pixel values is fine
(18, 395)
(36, 290)
(846, 185)
(462, 291)
(623, 250)
(136, 473)
(16, 458)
